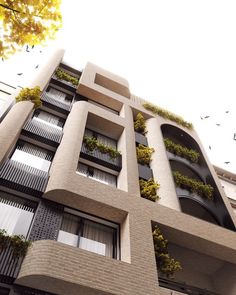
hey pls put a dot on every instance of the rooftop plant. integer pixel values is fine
(181, 150)
(148, 189)
(165, 263)
(144, 154)
(140, 124)
(167, 115)
(193, 185)
(30, 94)
(63, 75)
(91, 143)
(17, 242)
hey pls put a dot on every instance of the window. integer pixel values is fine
(48, 119)
(89, 233)
(16, 214)
(97, 174)
(32, 155)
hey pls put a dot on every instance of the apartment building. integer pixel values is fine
(71, 180)
(7, 97)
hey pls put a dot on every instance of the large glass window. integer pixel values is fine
(16, 214)
(32, 155)
(97, 174)
(60, 95)
(101, 138)
(89, 233)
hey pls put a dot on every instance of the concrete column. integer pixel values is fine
(11, 126)
(161, 167)
(67, 155)
(128, 177)
(46, 69)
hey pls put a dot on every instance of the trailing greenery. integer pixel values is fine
(165, 263)
(63, 75)
(30, 94)
(148, 189)
(167, 115)
(140, 124)
(193, 185)
(144, 154)
(91, 143)
(181, 150)
(17, 242)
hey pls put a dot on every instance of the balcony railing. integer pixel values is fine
(141, 139)
(182, 287)
(55, 104)
(9, 265)
(145, 172)
(65, 84)
(23, 178)
(43, 132)
(101, 159)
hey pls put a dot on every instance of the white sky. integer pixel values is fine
(180, 55)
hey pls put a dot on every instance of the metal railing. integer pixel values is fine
(55, 103)
(24, 178)
(9, 264)
(101, 158)
(43, 131)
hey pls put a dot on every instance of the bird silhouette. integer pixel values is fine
(201, 118)
(226, 112)
(217, 124)
(19, 74)
(27, 48)
(234, 136)
(209, 147)
(36, 66)
(206, 117)
(227, 162)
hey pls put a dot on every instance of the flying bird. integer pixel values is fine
(227, 162)
(226, 112)
(234, 136)
(19, 74)
(36, 66)
(206, 117)
(217, 124)
(209, 147)
(201, 118)
(27, 48)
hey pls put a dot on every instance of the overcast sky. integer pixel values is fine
(180, 55)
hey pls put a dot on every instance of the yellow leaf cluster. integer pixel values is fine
(28, 22)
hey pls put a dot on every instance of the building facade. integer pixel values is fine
(70, 181)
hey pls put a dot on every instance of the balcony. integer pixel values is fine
(141, 139)
(145, 172)
(101, 158)
(43, 132)
(55, 104)
(9, 265)
(23, 178)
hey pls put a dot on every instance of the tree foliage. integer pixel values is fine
(30, 94)
(148, 189)
(144, 154)
(165, 263)
(28, 22)
(140, 124)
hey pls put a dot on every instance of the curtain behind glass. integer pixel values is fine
(106, 140)
(57, 94)
(49, 118)
(97, 238)
(104, 177)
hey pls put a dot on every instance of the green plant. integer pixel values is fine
(17, 242)
(167, 115)
(91, 143)
(31, 94)
(144, 154)
(148, 189)
(63, 75)
(181, 150)
(140, 124)
(165, 263)
(193, 185)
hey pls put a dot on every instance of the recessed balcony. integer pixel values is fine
(100, 158)
(43, 132)
(9, 264)
(20, 177)
(55, 104)
(145, 172)
(141, 139)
